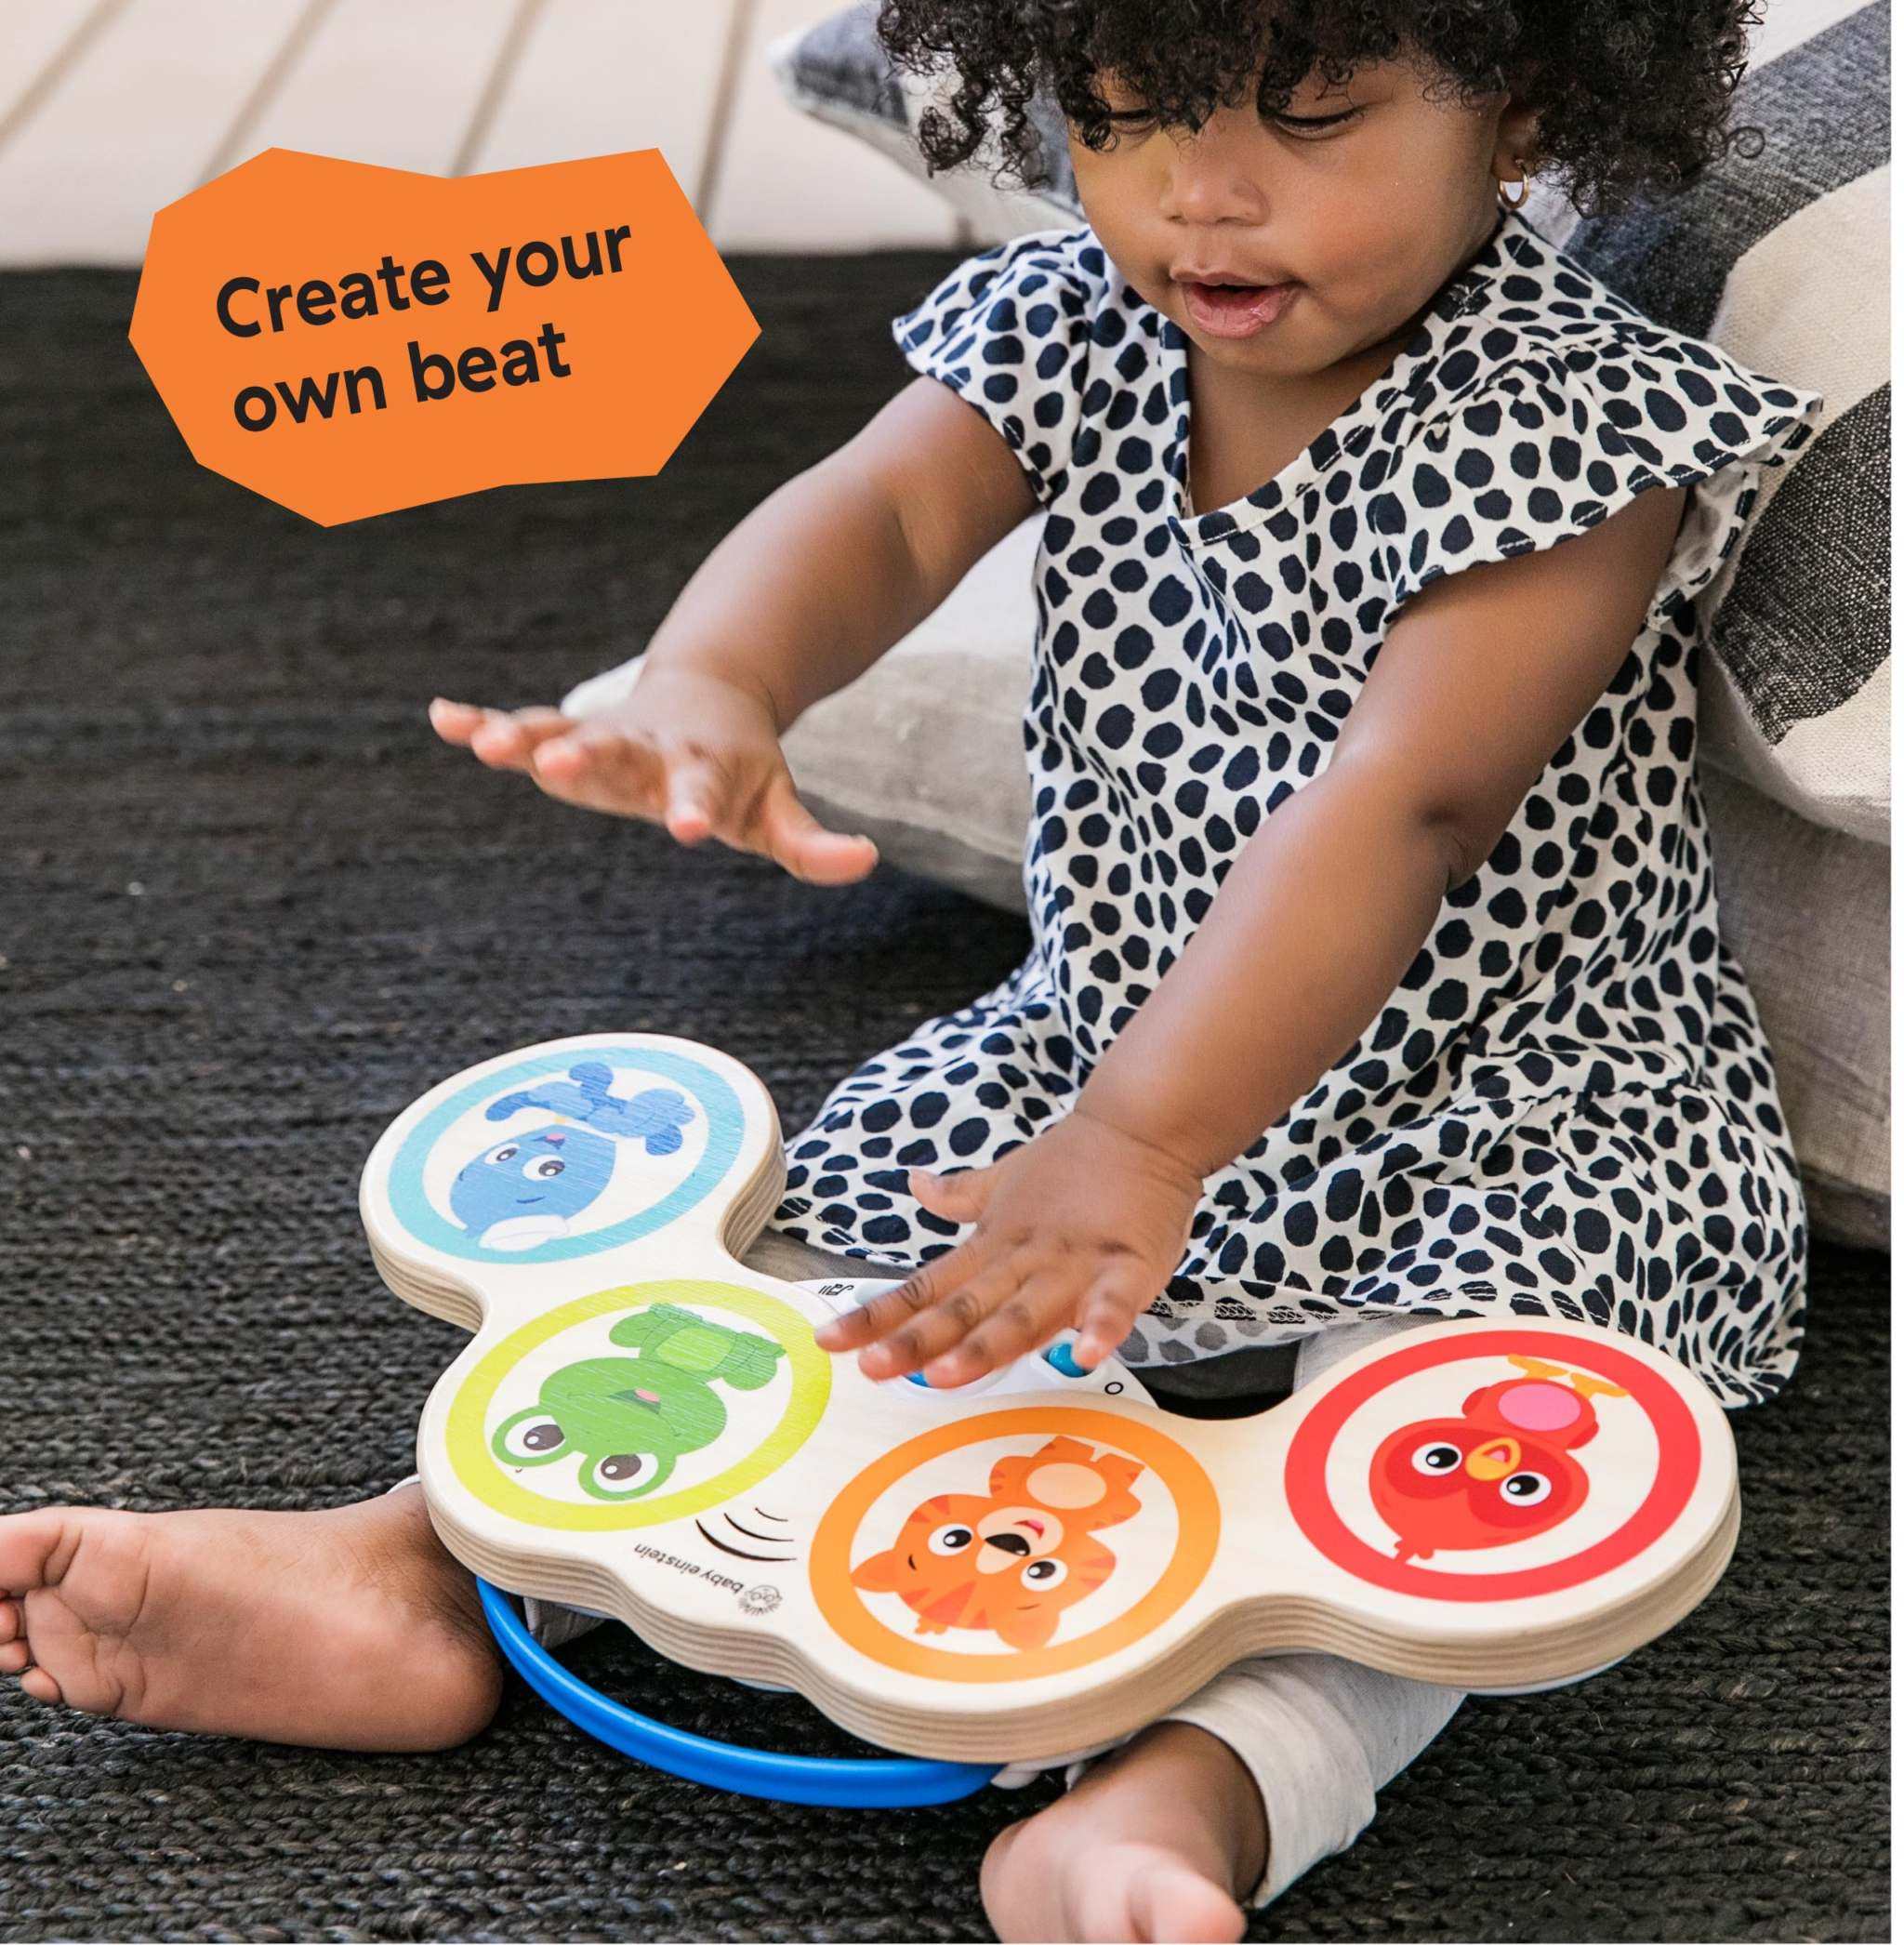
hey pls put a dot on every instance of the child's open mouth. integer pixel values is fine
(1235, 309)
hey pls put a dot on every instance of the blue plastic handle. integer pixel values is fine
(841, 1783)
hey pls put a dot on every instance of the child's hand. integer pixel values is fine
(1082, 1225)
(700, 755)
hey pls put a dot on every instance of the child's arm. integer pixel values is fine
(806, 593)
(833, 567)
(1478, 682)
(1481, 680)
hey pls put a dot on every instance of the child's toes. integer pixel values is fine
(10, 1622)
(14, 1655)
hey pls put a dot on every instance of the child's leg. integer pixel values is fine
(1232, 1796)
(1319, 1735)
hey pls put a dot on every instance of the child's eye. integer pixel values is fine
(1312, 122)
(1128, 121)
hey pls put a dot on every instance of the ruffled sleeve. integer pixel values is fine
(1010, 332)
(1556, 440)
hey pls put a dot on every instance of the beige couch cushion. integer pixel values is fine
(1808, 912)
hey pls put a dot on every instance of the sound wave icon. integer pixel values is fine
(760, 1536)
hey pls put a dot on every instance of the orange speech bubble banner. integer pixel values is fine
(346, 340)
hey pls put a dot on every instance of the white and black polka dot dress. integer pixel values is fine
(1566, 1107)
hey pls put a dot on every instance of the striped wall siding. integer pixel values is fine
(109, 109)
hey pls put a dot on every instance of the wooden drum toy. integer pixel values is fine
(1033, 1563)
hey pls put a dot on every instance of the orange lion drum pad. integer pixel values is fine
(1037, 1562)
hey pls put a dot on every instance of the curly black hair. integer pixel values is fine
(1632, 94)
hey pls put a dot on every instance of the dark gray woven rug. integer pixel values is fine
(249, 909)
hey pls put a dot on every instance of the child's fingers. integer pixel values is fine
(959, 1198)
(1032, 1315)
(1110, 1307)
(511, 742)
(601, 769)
(455, 722)
(507, 740)
(798, 842)
(950, 1320)
(737, 799)
(730, 800)
(697, 798)
(487, 733)
(539, 724)
(867, 1322)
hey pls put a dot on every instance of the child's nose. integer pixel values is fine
(1210, 179)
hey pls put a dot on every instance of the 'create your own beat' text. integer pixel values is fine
(248, 307)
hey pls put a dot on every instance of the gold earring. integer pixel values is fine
(1527, 189)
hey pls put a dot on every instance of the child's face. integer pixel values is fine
(1367, 216)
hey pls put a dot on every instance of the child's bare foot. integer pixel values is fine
(1158, 1840)
(351, 1629)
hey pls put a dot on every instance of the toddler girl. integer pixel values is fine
(1375, 973)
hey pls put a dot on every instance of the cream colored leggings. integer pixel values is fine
(1318, 1734)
